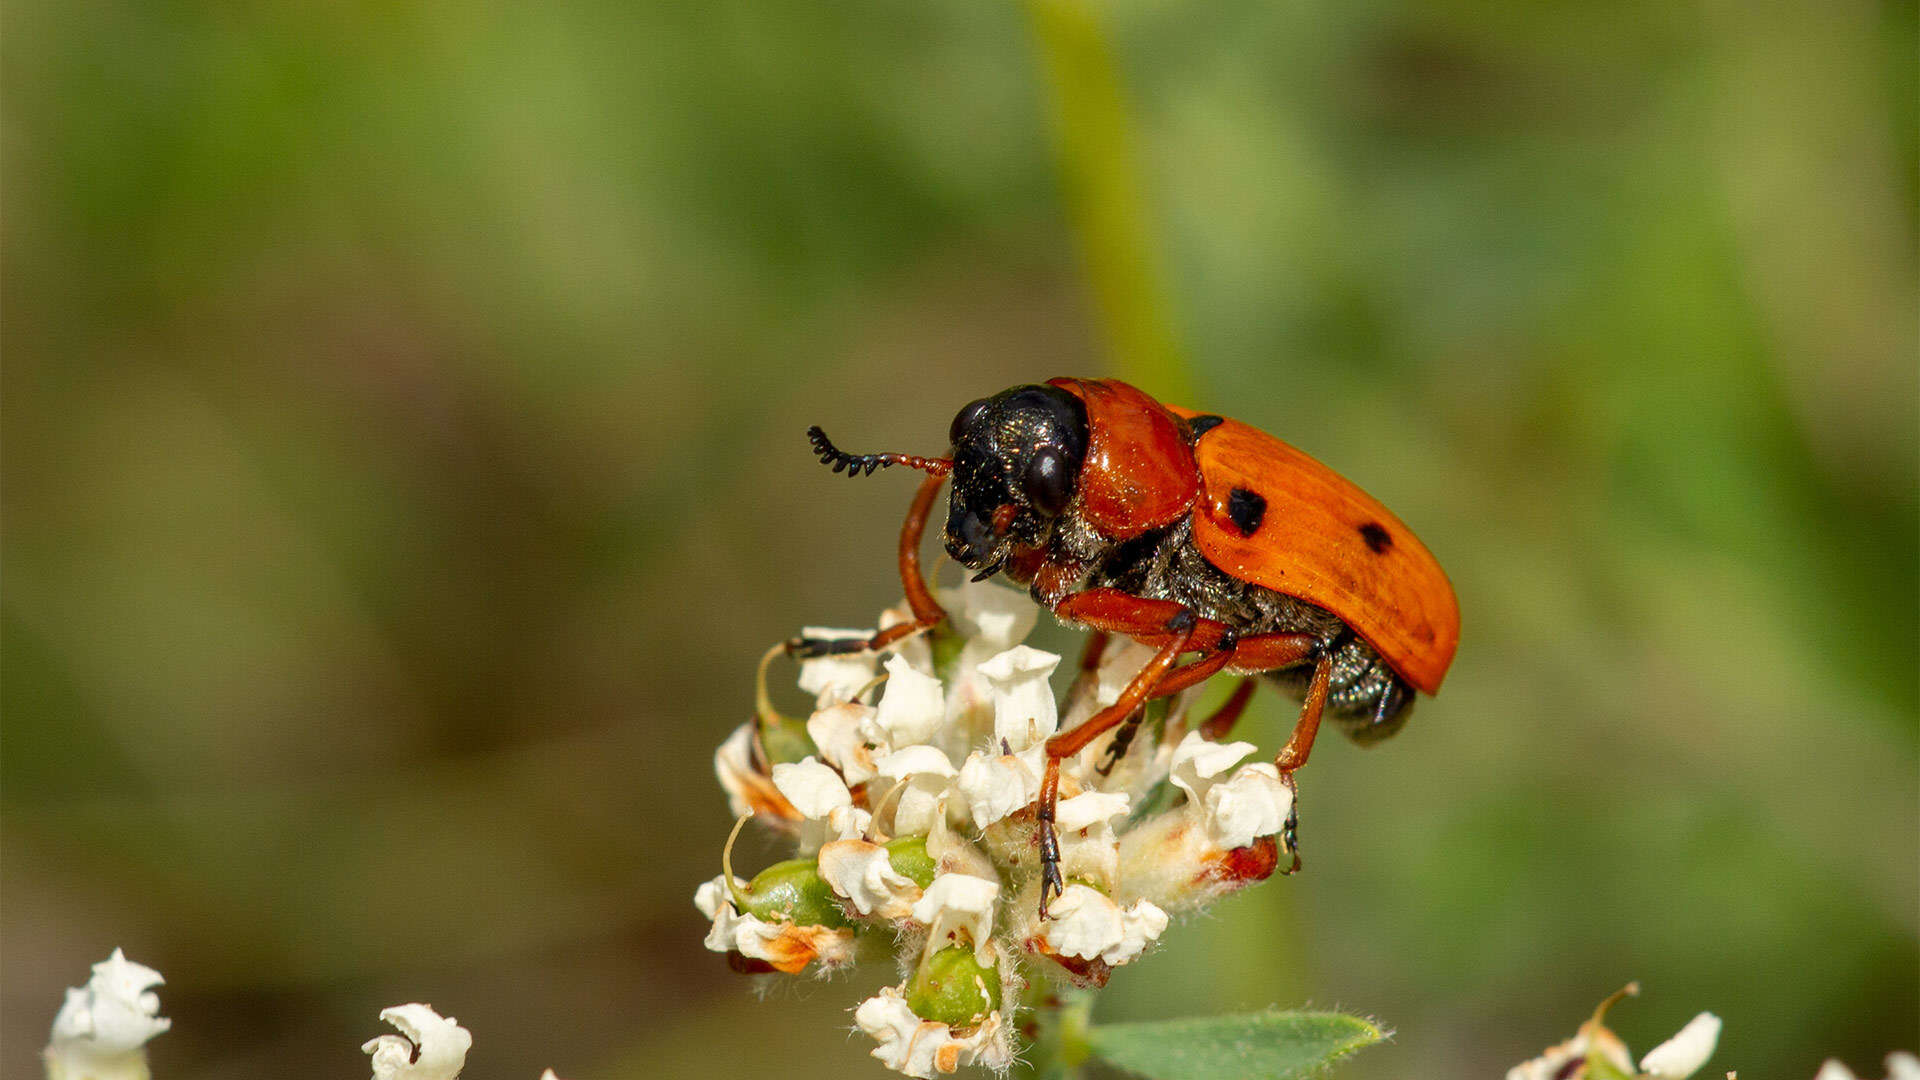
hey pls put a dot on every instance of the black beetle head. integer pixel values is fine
(1016, 459)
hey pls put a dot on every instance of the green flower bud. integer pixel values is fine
(794, 891)
(908, 857)
(952, 988)
(785, 739)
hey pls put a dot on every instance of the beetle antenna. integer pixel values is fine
(865, 464)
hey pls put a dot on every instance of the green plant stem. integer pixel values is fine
(1101, 182)
(1060, 1045)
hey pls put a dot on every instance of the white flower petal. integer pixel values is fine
(1253, 803)
(1682, 1055)
(1024, 712)
(863, 873)
(912, 707)
(991, 616)
(833, 679)
(749, 791)
(913, 760)
(712, 894)
(1196, 761)
(958, 905)
(1902, 1066)
(434, 1047)
(812, 787)
(996, 786)
(1089, 808)
(836, 731)
(922, 800)
(925, 1049)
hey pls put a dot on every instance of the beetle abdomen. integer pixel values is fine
(1365, 695)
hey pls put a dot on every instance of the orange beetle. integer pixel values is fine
(1187, 532)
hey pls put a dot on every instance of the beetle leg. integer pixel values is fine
(1294, 754)
(1178, 632)
(1144, 620)
(927, 611)
(1193, 673)
(1261, 652)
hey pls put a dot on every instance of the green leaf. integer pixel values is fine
(1256, 1046)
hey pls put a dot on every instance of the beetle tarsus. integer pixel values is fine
(1051, 885)
(1123, 738)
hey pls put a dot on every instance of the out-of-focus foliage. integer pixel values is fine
(404, 473)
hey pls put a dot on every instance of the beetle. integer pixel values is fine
(1190, 533)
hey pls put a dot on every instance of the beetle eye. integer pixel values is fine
(964, 420)
(1048, 481)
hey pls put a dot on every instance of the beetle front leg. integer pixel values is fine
(1178, 632)
(927, 611)
(1144, 620)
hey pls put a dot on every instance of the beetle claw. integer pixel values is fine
(1050, 884)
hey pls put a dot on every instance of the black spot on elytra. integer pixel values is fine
(1376, 537)
(1200, 425)
(1246, 508)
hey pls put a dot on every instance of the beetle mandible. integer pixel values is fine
(1190, 533)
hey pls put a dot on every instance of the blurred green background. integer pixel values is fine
(403, 474)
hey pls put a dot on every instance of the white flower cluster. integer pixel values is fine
(914, 821)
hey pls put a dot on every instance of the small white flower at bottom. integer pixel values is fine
(102, 1029)
(1682, 1055)
(926, 1048)
(1086, 923)
(429, 1046)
